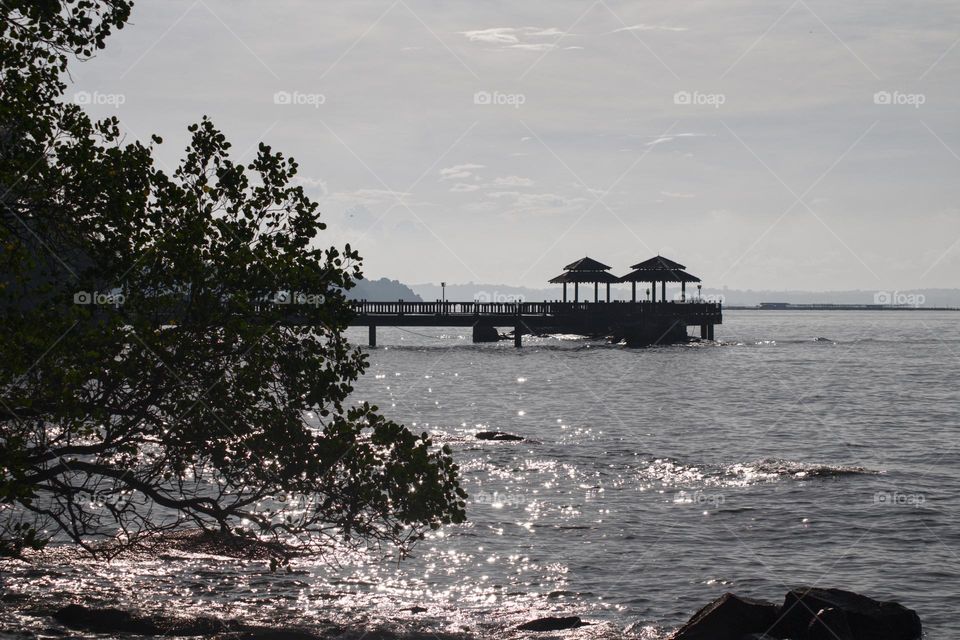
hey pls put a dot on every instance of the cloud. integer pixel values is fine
(462, 187)
(674, 194)
(662, 139)
(520, 38)
(538, 46)
(649, 27)
(369, 197)
(310, 184)
(511, 181)
(522, 203)
(459, 171)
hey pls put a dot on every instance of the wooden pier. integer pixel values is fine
(639, 323)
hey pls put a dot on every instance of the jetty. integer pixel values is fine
(644, 322)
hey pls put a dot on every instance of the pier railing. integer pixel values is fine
(504, 309)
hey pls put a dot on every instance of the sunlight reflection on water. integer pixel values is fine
(650, 482)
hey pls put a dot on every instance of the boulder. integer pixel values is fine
(552, 624)
(498, 435)
(729, 617)
(109, 620)
(116, 621)
(811, 614)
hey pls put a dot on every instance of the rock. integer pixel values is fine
(812, 613)
(109, 620)
(416, 609)
(829, 624)
(498, 435)
(117, 621)
(729, 617)
(552, 624)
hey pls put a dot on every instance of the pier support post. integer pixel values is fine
(709, 332)
(372, 335)
(517, 337)
(703, 332)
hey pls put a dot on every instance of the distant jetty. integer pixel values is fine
(643, 322)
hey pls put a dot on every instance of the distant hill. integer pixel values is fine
(382, 290)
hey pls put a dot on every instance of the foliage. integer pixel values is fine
(172, 350)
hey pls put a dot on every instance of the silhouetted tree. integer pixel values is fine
(172, 350)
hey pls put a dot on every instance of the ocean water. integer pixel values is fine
(804, 448)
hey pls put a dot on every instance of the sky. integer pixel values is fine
(766, 144)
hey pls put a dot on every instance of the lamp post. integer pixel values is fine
(443, 289)
(699, 289)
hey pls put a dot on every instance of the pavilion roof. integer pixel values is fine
(659, 275)
(657, 262)
(585, 276)
(586, 264)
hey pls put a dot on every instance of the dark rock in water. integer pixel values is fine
(117, 621)
(109, 620)
(552, 624)
(729, 617)
(269, 633)
(829, 624)
(416, 609)
(811, 614)
(483, 333)
(498, 435)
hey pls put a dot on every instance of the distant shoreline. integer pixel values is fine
(834, 307)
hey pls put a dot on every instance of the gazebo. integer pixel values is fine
(585, 270)
(662, 270)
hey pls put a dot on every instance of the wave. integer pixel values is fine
(667, 472)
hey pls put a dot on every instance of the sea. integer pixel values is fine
(802, 448)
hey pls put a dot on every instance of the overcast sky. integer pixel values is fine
(773, 144)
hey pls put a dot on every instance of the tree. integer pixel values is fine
(173, 350)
